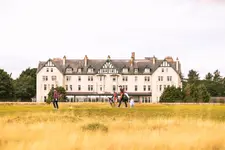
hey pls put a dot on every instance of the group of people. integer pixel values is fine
(124, 97)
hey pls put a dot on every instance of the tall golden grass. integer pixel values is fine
(69, 131)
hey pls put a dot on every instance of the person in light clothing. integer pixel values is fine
(131, 102)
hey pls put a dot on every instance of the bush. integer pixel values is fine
(221, 100)
(60, 90)
(95, 127)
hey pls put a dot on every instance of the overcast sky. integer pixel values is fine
(35, 30)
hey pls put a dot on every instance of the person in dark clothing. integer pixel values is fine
(122, 97)
(111, 101)
(55, 99)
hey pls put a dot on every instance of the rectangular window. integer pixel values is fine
(79, 87)
(160, 78)
(100, 88)
(45, 78)
(160, 87)
(45, 86)
(71, 87)
(147, 78)
(90, 87)
(135, 78)
(51, 69)
(162, 69)
(52, 86)
(100, 78)
(169, 78)
(66, 87)
(125, 87)
(68, 78)
(114, 79)
(149, 87)
(135, 87)
(144, 88)
(114, 87)
(53, 78)
(90, 78)
(79, 78)
(164, 87)
(47, 70)
(125, 78)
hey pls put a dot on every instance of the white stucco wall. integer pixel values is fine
(41, 93)
(107, 82)
(156, 93)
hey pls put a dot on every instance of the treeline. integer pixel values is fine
(196, 90)
(21, 89)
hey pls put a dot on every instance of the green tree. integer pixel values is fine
(209, 77)
(194, 93)
(217, 77)
(6, 86)
(25, 85)
(62, 92)
(204, 95)
(172, 94)
(193, 76)
(187, 93)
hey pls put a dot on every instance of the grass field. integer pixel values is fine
(98, 126)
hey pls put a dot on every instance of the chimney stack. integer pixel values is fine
(64, 60)
(132, 59)
(154, 60)
(85, 60)
(177, 64)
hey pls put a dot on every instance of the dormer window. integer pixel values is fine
(79, 70)
(147, 70)
(69, 70)
(90, 70)
(135, 70)
(125, 70)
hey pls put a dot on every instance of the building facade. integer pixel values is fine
(94, 80)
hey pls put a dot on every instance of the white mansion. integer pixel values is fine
(96, 79)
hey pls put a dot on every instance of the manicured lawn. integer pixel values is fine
(214, 112)
(79, 126)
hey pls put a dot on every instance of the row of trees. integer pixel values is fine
(196, 90)
(23, 88)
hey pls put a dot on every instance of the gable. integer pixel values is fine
(49, 63)
(108, 67)
(165, 64)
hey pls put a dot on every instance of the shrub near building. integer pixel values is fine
(191, 93)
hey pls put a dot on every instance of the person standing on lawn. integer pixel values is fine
(123, 97)
(55, 99)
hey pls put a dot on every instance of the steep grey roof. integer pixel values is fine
(97, 64)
